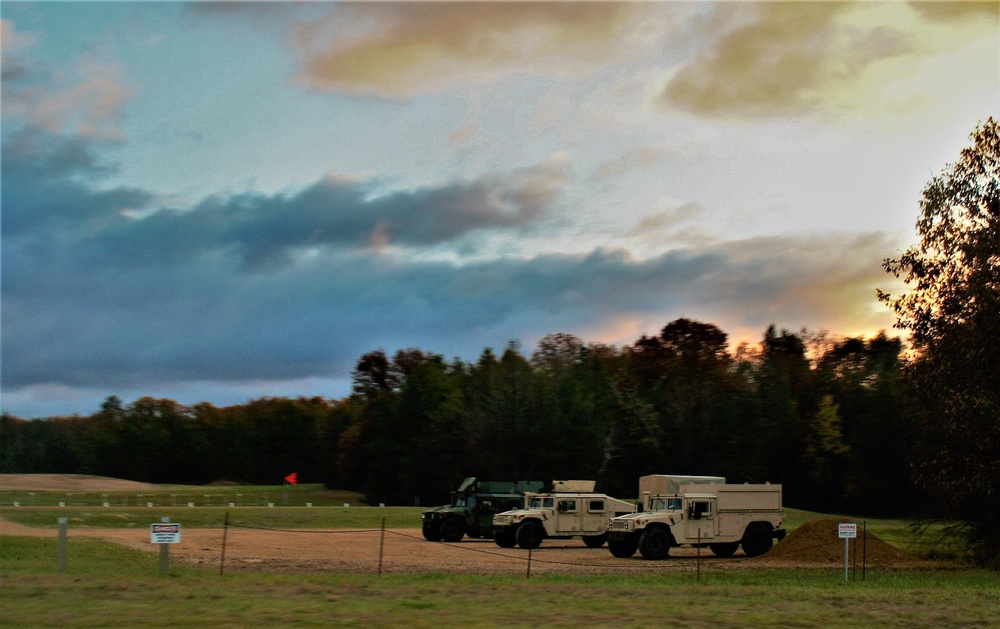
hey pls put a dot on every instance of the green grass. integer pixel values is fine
(106, 584)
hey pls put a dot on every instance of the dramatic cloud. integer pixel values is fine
(220, 201)
(44, 193)
(776, 59)
(408, 48)
(109, 289)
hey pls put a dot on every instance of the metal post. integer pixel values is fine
(62, 543)
(164, 551)
(847, 545)
(864, 549)
(381, 547)
(225, 530)
(528, 573)
(698, 560)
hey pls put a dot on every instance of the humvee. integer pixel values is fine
(571, 509)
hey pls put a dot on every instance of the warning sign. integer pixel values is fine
(847, 531)
(165, 533)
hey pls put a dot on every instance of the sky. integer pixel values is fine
(223, 201)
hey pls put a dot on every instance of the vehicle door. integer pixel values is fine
(702, 519)
(568, 518)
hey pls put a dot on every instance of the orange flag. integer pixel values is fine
(293, 478)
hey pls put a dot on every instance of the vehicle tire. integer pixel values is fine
(595, 541)
(432, 534)
(452, 530)
(624, 547)
(756, 542)
(529, 535)
(504, 537)
(724, 549)
(655, 544)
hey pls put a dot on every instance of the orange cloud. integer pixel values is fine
(411, 48)
(788, 57)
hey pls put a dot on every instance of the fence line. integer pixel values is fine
(666, 565)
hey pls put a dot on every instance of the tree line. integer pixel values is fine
(819, 415)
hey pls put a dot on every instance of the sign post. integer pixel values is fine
(63, 522)
(165, 533)
(847, 531)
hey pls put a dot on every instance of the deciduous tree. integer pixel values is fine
(952, 309)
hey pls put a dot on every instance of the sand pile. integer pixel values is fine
(817, 542)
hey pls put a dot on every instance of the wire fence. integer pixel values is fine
(401, 550)
(523, 561)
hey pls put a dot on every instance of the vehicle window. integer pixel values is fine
(536, 502)
(700, 510)
(596, 505)
(567, 505)
(549, 502)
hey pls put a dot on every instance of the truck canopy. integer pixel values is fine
(577, 486)
(670, 484)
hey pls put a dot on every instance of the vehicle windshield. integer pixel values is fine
(459, 501)
(665, 504)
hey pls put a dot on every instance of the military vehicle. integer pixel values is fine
(472, 508)
(684, 510)
(571, 509)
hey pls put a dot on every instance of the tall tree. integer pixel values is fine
(952, 309)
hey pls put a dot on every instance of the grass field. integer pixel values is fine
(107, 584)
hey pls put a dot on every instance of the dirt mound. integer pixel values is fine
(817, 542)
(68, 482)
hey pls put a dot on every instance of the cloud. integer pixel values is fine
(788, 58)
(192, 322)
(635, 159)
(654, 225)
(87, 101)
(50, 186)
(157, 302)
(400, 49)
(12, 43)
(46, 190)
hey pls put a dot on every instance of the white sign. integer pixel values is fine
(847, 531)
(165, 533)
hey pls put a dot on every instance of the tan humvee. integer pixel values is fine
(571, 510)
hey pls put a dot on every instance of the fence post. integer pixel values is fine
(381, 547)
(528, 574)
(698, 560)
(225, 531)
